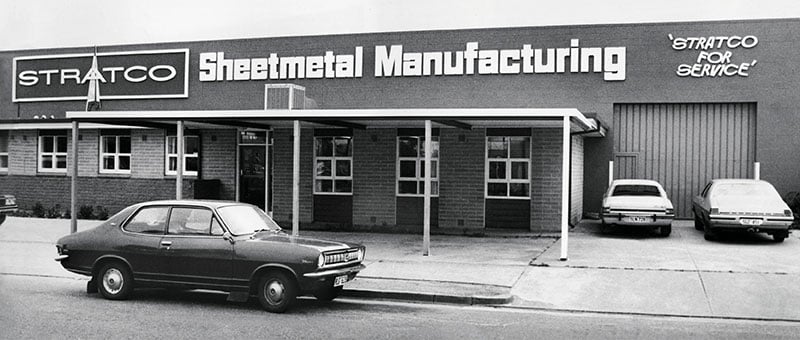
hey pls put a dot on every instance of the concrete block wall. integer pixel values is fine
(22, 150)
(88, 153)
(546, 151)
(576, 188)
(282, 176)
(461, 178)
(218, 159)
(148, 153)
(374, 178)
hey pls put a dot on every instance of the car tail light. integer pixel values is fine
(320, 261)
(670, 211)
(714, 211)
(11, 201)
(606, 209)
(787, 212)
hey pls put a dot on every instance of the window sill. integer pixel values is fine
(113, 175)
(51, 174)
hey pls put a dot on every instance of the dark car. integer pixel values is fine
(741, 205)
(8, 204)
(218, 245)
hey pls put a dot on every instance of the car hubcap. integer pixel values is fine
(274, 292)
(112, 281)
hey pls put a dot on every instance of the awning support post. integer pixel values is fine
(426, 224)
(73, 205)
(565, 187)
(296, 180)
(757, 170)
(179, 163)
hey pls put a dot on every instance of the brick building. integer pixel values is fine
(680, 103)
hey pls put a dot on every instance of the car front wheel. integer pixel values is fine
(328, 293)
(276, 291)
(114, 281)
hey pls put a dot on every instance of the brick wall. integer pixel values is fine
(88, 153)
(218, 159)
(576, 189)
(282, 176)
(461, 178)
(546, 179)
(22, 152)
(147, 153)
(110, 193)
(374, 176)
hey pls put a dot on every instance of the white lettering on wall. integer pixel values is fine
(709, 63)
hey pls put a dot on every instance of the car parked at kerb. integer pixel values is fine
(219, 245)
(741, 205)
(637, 202)
(8, 204)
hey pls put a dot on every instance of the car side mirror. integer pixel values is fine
(228, 237)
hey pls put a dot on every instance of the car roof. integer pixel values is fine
(214, 204)
(738, 181)
(635, 182)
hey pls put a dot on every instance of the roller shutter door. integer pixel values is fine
(683, 146)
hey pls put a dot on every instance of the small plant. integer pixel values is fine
(85, 212)
(100, 213)
(38, 210)
(54, 212)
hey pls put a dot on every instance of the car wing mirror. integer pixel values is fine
(228, 237)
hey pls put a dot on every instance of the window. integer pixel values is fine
(53, 153)
(411, 166)
(149, 220)
(115, 154)
(508, 165)
(193, 221)
(333, 165)
(191, 155)
(3, 150)
(636, 190)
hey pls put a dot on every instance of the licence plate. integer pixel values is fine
(750, 221)
(340, 280)
(639, 219)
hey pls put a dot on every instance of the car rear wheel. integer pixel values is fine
(114, 281)
(780, 236)
(328, 293)
(2, 218)
(276, 291)
(664, 231)
(698, 223)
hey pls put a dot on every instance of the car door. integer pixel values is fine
(140, 244)
(194, 250)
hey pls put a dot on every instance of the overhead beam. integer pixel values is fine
(454, 123)
(339, 123)
(132, 122)
(234, 123)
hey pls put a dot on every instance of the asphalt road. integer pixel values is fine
(52, 307)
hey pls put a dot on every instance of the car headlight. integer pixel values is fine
(320, 260)
(10, 201)
(361, 254)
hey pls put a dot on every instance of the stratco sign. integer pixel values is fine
(124, 75)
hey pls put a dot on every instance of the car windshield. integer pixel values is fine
(246, 219)
(636, 190)
(749, 191)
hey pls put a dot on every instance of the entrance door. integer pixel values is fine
(252, 174)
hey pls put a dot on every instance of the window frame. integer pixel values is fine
(333, 158)
(168, 156)
(418, 166)
(7, 137)
(508, 161)
(117, 154)
(41, 154)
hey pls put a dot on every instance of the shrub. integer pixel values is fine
(85, 212)
(100, 213)
(54, 212)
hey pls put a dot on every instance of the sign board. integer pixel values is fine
(125, 75)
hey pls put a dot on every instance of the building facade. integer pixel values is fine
(681, 103)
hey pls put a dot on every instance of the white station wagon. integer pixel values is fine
(637, 202)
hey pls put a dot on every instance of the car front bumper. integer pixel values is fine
(314, 281)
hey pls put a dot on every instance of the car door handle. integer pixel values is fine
(166, 243)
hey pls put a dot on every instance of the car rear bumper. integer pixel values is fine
(735, 225)
(653, 220)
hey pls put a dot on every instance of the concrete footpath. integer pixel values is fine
(624, 271)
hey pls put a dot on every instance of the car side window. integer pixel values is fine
(216, 228)
(148, 220)
(190, 221)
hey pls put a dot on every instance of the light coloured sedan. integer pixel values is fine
(638, 202)
(741, 205)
